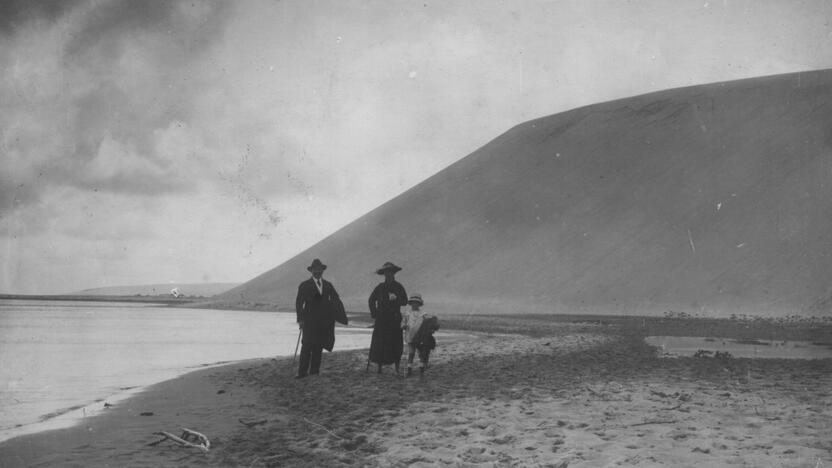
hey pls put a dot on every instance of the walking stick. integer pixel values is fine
(300, 333)
(368, 352)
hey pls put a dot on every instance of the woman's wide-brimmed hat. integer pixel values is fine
(417, 299)
(316, 266)
(388, 266)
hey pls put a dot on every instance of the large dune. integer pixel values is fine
(713, 199)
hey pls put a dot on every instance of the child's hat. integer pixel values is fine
(417, 298)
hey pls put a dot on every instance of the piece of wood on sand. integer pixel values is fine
(252, 423)
(189, 439)
(654, 421)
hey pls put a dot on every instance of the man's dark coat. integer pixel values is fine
(318, 312)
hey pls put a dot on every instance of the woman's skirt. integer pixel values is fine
(386, 346)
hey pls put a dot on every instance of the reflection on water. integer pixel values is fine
(676, 346)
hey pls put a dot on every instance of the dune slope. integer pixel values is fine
(713, 198)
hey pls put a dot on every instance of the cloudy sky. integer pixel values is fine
(192, 141)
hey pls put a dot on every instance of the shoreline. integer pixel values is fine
(74, 414)
(517, 390)
(63, 359)
(66, 418)
(138, 299)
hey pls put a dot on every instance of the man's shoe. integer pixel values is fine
(300, 376)
(409, 372)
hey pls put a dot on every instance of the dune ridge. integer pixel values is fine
(711, 199)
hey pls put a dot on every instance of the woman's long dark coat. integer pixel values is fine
(386, 346)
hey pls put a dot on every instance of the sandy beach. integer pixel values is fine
(507, 391)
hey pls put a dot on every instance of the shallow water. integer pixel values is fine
(676, 346)
(58, 358)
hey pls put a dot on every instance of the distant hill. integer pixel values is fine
(196, 289)
(712, 199)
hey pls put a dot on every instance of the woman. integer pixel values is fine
(385, 308)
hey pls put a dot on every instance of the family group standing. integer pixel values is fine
(318, 307)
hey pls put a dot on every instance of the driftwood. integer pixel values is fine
(189, 439)
(324, 428)
(592, 391)
(663, 421)
(252, 423)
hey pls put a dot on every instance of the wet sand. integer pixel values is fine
(517, 391)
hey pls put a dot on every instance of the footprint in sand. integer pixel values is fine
(552, 434)
(354, 443)
(478, 454)
(506, 439)
(460, 420)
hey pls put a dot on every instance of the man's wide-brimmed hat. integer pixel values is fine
(416, 298)
(316, 266)
(388, 266)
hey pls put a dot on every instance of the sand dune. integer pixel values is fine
(709, 199)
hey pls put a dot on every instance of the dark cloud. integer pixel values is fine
(184, 29)
(118, 19)
(125, 72)
(15, 193)
(15, 13)
(130, 115)
(172, 37)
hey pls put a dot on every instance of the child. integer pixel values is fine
(419, 328)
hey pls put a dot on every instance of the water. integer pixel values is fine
(58, 358)
(675, 346)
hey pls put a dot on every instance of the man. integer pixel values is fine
(317, 307)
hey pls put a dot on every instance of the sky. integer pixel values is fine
(197, 141)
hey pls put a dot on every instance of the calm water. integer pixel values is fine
(60, 360)
(675, 346)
